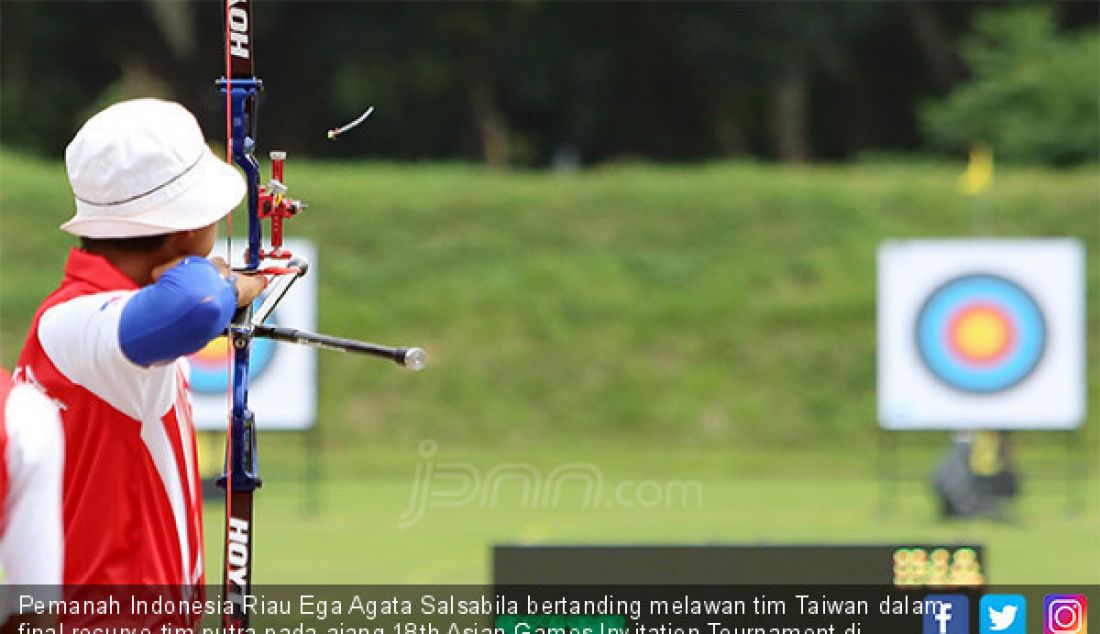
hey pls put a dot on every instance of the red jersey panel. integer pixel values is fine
(131, 496)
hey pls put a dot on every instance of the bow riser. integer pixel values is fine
(241, 478)
(242, 91)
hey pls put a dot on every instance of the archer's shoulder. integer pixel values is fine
(77, 313)
(80, 335)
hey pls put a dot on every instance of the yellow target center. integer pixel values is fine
(982, 334)
(216, 348)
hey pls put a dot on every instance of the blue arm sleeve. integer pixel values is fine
(187, 307)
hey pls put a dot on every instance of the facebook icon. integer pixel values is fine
(946, 614)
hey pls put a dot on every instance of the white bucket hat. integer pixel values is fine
(142, 168)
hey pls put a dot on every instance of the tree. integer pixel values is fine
(1032, 95)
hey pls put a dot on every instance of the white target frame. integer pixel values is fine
(1052, 396)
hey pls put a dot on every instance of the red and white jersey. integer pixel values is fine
(131, 500)
(31, 455)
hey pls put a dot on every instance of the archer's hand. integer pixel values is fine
(249, 287)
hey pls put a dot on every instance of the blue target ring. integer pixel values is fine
(981, 334)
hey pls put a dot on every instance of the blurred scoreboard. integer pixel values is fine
(899, 565)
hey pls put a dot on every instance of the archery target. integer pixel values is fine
(981, 334)
(282, 386)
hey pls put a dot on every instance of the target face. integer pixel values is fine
(981, 334)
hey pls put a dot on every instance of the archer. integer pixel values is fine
(137, 295)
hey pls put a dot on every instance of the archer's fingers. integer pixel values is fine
(218, 261)
(249, 288)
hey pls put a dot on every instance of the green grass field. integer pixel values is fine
(802, 496)
(712, 323)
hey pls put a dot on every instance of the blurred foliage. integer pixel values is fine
(1033, 94)
(728, 303)
(534, 82)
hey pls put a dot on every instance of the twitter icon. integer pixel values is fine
(1003, 614)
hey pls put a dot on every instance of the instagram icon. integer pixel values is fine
(1065, 614)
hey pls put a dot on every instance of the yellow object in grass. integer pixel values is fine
(978, 177)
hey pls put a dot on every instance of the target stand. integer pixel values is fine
(978, 336)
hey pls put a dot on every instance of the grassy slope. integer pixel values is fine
(729, 303)
(724, 312)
